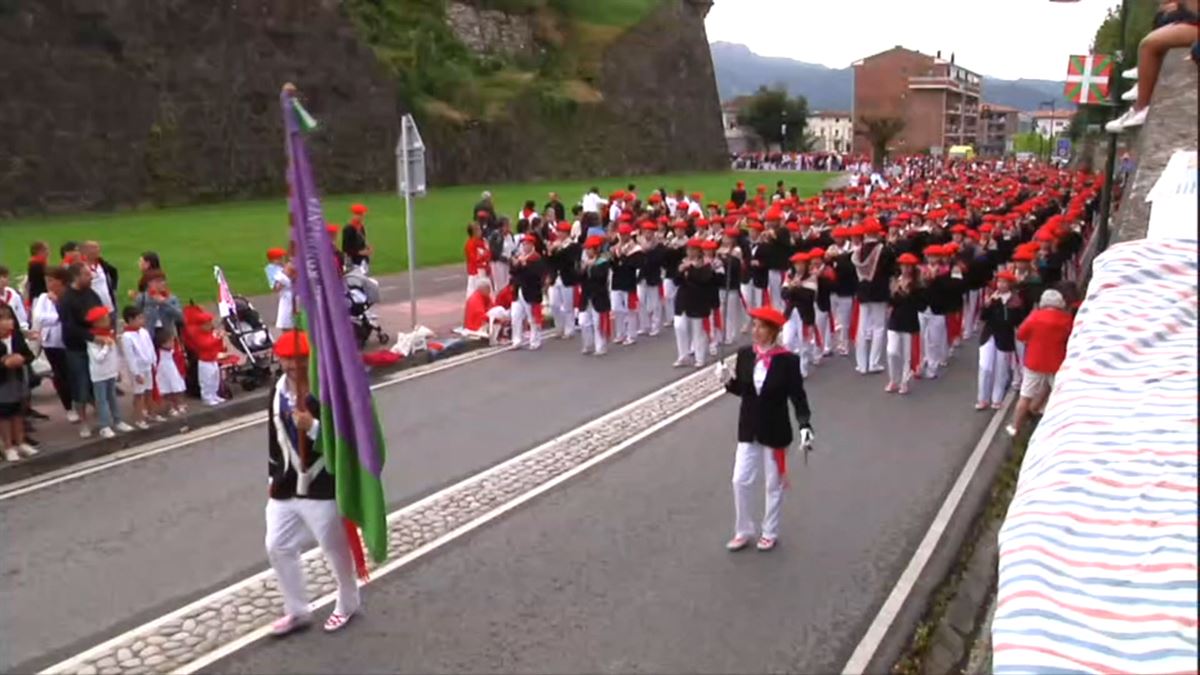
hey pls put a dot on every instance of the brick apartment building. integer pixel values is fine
(938, 100)
(998, 124)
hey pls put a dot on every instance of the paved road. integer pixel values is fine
(622, 570)
(85, 559)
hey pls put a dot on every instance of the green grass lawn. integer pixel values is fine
(236, 235)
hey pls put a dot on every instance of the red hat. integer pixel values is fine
(332, 228)
(755, 225)
(731, 220)
(593, 242)
(200, 317)
(679, 225)
(741, 184)
(799, 257)
(95, 314)
(695, 242)
(530, 239)
(908, 259)
(769, 315)
(934, 251)
(625, 229)
(959, 229)
(702, 222)
(655, 198)
(732, 232)
(292, 344)
(817, 252)
(1044, 235)
(626, 217)
(761, 188)
(563, 226)
(985, 228)
(793, 226)
(697, 196)
(840, 233)
(358, 210)
(649, 226)
(1023, 255)
(1006, 275)
(710, 245)
(276, 253)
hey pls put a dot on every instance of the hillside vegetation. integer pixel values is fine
(438, 75)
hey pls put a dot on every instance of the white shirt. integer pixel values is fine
(100, 285)
(103, 363)
(13, 299)
(760, 374)
(46, 321)
(283, 315)
(614, 212)
(138, 350)
(591, 203)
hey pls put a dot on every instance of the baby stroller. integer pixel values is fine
(247, 333)
(362, 292)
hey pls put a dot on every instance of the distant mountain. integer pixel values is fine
(741, 71)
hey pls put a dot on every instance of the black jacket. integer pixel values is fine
(73, 306)
(939, 293)
(19, 346)
(354, 242)
(846, 282)
(695, 287)
(763, 417)
(671, 257)
(564, 264)
(801, 299)
(594, 287)
(905, 308)
(879, 287)
(1000, 321)
(283, 474)
(651, 271)
(625, 271)
(529, 278)
(760, 252)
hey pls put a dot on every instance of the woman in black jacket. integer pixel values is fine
(1003, 311)
(903, 325)
(766, 377)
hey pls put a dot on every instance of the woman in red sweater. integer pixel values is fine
(1045, 334)
(478, 257)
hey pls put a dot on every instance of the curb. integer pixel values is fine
(946, 551)
(250, 402)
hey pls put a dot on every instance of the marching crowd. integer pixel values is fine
(900, 275)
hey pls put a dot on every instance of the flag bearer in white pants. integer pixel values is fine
(766, 377)
(1001, 314)
(302, 505)
(528, 271)
(692, 306)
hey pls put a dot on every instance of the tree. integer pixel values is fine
(1140, 22)
(770, 111)
(879, 132)
(1030, 142)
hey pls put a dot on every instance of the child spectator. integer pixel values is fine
(208, 344)
(168, 372)
(104, 366)
(138, 349)
(14, 358)
(9, 296)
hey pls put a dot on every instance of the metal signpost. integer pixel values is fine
(1064, 148)
(410, 177)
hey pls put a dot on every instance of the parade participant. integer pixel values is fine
(844, 289)
(103, 367)
(562, 261)
(1029, 287)
(528, 272)
(955, 295)
(903, 325)
(799, 302)
(9, 296)
(978, 275)
(15, 356)
(595, 303)
(760, 260)
(302, 491)
(714, 322)
(1001, 314)
(1045, 334)
(766, 377)
(478, 257)
(732, 309)
(692, 307)
(627, 258)
(873, 264)
(137, 348)
(502, 246)
(823, 272)
(650, 281)
(778, 250)
(674, 250)
(338, 256)
(354, 240)
(935, 277)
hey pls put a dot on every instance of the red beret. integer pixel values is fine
(934, 251)
(593, 242)
(649, 225)
(769, 315)
(799, 257)
(817, 252)
(695, 243)
(332, 228)
(276, 253)
(732, 232)
(358, 210)
(679, 225)
(755, 225)
(625, 229)
(292, 344)
(709, 245)
(530, 239)
(95, 314)
(564, 226)
(1006, 275)
(959, 229)
(907, 259)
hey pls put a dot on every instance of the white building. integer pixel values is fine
(738, 138)
(832, 129)
(1051, 124)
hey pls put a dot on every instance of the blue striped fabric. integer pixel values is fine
(1098, 553)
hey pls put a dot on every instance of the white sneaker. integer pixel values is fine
(72, 416)
(27, 450)
(1130, 95)
(106, 432)
(142, 424)
(85, 431)
(1137, 119)
(10, 455)
(175, 412)
(124, 427)
(683, 363)
(1011, 430)
(157, 418)
(1130, 74)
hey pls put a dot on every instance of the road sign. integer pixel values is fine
(1063, 149)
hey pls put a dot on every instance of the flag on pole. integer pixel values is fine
(350, 438)
(224, 297)
(1088, 78)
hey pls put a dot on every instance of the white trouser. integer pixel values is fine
(749, 293)
(591, 331)
(522, 312)
(209, 374)
(499, 274)
(690, 338)
(670, 289)
(496, 317)
(562, 307)
(796, 341)
(749, 460)
(732, 313)
(994, 366)
(826, 331)
(775, 288)
(649, 308)
(970, 307)
(934, 349)
(291, 523)
(899, 357)
(842, 306)
(872, 327)
(624, 321)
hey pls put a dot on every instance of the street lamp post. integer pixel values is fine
(783, 132)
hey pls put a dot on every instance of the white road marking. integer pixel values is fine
(865, 651)
(70, 473)
(399, 563)
(450, 277)
(73, 664)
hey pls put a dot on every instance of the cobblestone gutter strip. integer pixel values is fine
(953, 637)
(240, 613)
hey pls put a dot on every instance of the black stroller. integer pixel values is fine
(362, 293)
(247, 333)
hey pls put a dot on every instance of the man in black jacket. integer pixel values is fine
(528, 273)
(73, 306)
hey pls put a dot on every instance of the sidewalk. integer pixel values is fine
(59, 440)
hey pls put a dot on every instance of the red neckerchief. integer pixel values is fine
(102, 332)
(131, 329)
(37, 260)
(765, 355)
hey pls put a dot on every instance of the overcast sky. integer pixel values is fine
(1008, 39)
